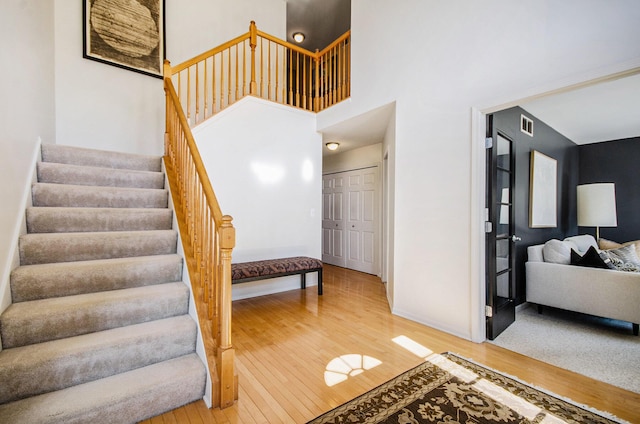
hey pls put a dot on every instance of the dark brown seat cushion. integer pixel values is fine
(273, 267)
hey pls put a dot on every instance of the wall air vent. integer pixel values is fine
(526, 125)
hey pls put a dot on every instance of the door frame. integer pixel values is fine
(379, 209)
(478, 173)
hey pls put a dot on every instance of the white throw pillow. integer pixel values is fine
(557, 252)
(583, 242)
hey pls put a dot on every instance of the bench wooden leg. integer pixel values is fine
(319, 282)
(303, 281)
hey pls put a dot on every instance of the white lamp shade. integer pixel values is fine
(597, 205)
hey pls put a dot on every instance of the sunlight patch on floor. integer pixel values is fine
(413, 346)
(345, 366)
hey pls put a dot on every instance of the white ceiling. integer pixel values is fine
(601, 112)
(362, 130)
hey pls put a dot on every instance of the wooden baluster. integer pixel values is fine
(222, 105)
(229, 76)
(316, 100)
(348, 61)
(180, 86)
(197, 89)
(205, 92)
(297, 76)
(244, 68)
(335, 74)
(304, 82)
(342, 75)
(261, 67)
(226, 354)
(214, 100)
(237, 87)
(269, 71)
(189, 96)
(290, 71)
(253, 34)
(277, 72)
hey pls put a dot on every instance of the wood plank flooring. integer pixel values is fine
(285, 341)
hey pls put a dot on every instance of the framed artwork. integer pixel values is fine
(543, 197)
(125, 33)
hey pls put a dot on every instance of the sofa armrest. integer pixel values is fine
(534, 253)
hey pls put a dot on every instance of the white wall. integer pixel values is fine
(264, 161)
(89, 92)
(26, 114)
(353, 159)
(465, 54)
(199, 25)
(388, 205)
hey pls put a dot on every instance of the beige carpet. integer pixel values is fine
(603, 349)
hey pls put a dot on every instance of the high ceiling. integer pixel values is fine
(600, 112)
(321, 21)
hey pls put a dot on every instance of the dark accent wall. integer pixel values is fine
(553, 144)
(615, 162)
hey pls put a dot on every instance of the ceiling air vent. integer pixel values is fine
(526, 125)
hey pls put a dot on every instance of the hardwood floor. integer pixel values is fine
(285, 341)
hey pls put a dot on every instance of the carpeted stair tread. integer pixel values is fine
(69, 195)
(98, 329)
(100, 158)
(45, 367)
(62, 219)
(67, 247)
(51, 319)
(123, 398)
(33, 282)
(59, 173)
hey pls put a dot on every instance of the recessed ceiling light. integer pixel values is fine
(333, 145)
(298, 37)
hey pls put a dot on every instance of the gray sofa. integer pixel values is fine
(602, 292)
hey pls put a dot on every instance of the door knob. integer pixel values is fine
(515, 238)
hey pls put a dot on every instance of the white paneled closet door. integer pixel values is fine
(333, 240)
(351, 210)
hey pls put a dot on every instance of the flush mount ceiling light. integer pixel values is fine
(333, 145)
(298, 37)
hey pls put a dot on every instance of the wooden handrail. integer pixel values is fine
(287, 44)
(208, 238)
(209, 53)
(279, 71)
(196, 89)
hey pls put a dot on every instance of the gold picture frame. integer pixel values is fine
(543, 191)
(128, 34)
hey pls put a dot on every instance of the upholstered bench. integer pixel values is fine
(272, 268)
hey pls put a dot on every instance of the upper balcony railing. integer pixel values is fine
(264, 66)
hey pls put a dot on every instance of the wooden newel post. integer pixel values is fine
(316, 101)
(166, 69)
(226, 354)
(166, 73)
(253, 42)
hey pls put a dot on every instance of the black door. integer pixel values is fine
(500, 240)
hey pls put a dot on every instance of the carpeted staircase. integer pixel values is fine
(99, 329)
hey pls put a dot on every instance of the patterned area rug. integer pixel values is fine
(450, 389)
